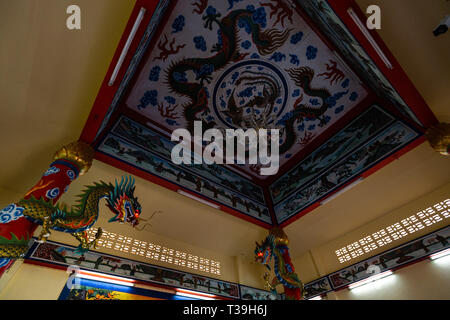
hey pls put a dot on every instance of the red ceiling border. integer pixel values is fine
(396, 75)
(106, 93)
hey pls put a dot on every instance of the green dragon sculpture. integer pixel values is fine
(120, 200)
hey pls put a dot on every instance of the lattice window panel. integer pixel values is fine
(192, 258)
(203, 268)
(180, 255)
(167, 251)
(214, 271)
(153, 251)
(396, 231)
(166, 258)
(152, 255)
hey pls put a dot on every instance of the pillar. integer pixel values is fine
(69, 163)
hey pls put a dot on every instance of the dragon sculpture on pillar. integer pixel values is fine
(19, 220)
(275, 246)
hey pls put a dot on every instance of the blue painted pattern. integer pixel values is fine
(11, 213)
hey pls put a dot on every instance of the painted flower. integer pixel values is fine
(294, 59)
(154, 73)
(243, 24)
(211, 10)
(254, 56)
(339, 95)
(171, 122)
(296, 38)
(150, 97)
(178, 24)
(247, 92)
(259, 17)
(200, 43)
(314, 102)
(331, 101)
(346, 83)
(296, 93)
(170, 99)
(353, 96)
(246, 44)
(339, 109)
(311, 53)
(232, 2)
(278, 56)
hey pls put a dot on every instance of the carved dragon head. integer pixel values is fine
(122, 202)
(263, 251)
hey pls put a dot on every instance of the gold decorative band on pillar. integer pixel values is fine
(279, 236)
(79, 152)
(439, 138)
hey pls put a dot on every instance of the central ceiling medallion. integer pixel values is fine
(250, 94)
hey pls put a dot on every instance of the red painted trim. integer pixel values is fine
(123, 107)
(106, 93)
(169, 185)
(45, 264)
(397, 75)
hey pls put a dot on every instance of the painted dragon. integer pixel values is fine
(303, 77)
(275, 246)
(227, 50)
(19, 220)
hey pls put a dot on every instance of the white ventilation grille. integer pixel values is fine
(154, 251)
(396, 231)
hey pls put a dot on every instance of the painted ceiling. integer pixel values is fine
(255, 64)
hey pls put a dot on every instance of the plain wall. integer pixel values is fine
(425, 280)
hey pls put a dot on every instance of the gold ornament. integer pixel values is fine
(439, 138)
(279, 236)
(77, 152)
